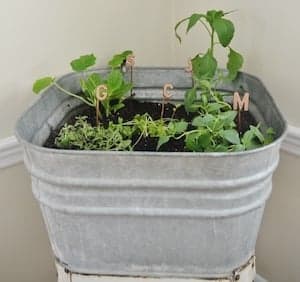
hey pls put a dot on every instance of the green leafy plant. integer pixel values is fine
(164, 130)
(83, 136)
(205, 64)
(117, 87)
(217, 133)
(215, 125)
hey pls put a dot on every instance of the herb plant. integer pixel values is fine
(117, 87)
(83, 136)
(215, 126)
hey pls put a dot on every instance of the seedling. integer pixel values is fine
(117, 87)
(166, 97)
(101, 95)
(83, 136)
(205, 65)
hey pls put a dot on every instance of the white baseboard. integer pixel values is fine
(291, 143)
(11, 151)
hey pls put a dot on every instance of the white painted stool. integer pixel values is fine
(244, 274)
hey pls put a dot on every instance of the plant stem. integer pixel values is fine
(72, 94)
(162, 109)
(186, 133)
(139, 139)
(212, 43)
(206, 27)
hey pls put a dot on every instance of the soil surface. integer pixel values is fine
(134, 107)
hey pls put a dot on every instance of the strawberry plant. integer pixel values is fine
(117, 87)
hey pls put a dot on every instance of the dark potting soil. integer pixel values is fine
(127, 113)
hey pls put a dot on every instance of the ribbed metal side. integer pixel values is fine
(142, 213)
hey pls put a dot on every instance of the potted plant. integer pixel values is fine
(133, 182)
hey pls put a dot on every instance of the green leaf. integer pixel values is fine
(118, 59)
(221, 148)
(114, 80)
(162, 140)
(235, 63)
(119, 93)
(228, 117)
(127, 53)
(238, 148)
(177, 26)
(212, 15)
(204, 67)
(205, 121)
(89, 85)
(194, 18)
(214, 107)
(206, 84)
(231, 136)
(270, 134)
(198, 141)
(83, 62)
(224, 29)
(270, 131)
(189, 99)
(117, 107)
(180, 126)
(258, 134)
(248, 140)
(41, 84)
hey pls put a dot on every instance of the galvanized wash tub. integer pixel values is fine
(149, 213)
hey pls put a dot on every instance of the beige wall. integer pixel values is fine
(25, 254)
(40, 37)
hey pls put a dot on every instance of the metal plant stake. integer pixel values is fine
(240, 105)
(166, 97)
(101, 95)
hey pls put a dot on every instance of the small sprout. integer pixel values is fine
(166, 97)
(101, 95)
